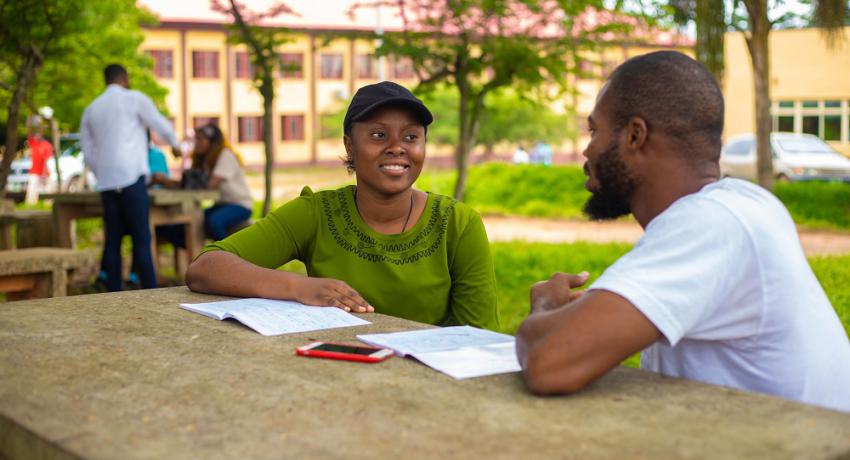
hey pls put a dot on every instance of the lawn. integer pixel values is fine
(518, 265)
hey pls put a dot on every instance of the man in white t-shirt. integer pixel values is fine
(717, 290)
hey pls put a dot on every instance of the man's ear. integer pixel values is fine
(636, 133)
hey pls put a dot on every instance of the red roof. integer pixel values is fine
(338, 15)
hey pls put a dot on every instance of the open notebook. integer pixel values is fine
(460, 351)
(275, 317)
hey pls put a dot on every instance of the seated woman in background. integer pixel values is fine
(379, 245)
(215, 166)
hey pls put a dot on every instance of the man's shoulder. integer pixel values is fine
(727, 200)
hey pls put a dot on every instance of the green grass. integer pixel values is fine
(834, 275)
(519, 265)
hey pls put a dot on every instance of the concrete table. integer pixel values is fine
(132, 376)
(35, 228)
(31, 273)
(168, 207)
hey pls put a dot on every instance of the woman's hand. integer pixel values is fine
(330, 292)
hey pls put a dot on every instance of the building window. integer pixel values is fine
(331, 66)
(197, 122)
(250, 129)
(244, 69)
(205, 64)
(366, 66)
(291, 65)
(811, 125)
(163, 63)
(292, 127)
(402, 67)
(832, 127)
(819, 118)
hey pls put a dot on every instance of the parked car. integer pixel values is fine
(796, 157)
(70, 164)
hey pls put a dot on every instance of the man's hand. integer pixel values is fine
(327, 291)
(557, 291)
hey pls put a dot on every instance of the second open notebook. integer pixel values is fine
(275, 317)
(460, 351)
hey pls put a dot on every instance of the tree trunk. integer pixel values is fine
(462, 150)
(267, 90)
(54, 132)
(757, 43)
(24, 79)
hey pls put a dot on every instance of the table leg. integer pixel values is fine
(195, 235)
(6, 241)
(63, 219)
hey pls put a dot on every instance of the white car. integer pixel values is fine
(796, 157)
(70, 164)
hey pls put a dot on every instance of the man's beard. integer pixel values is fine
(616, 186)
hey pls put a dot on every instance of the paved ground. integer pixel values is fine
(564, 231)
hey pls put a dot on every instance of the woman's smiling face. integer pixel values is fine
(388, 149)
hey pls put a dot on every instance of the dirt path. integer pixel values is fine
(815, 243)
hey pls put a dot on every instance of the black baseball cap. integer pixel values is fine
(370, 97)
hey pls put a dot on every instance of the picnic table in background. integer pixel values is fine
(131, 375)
(182, 207)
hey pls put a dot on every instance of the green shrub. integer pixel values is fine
(529, 190)
(817, 204)
(558, 191)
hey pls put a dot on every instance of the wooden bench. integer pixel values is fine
(33, 273)
(35, 228)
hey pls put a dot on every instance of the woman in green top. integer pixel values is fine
(379, 245)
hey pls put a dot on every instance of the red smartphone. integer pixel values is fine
(345, 352)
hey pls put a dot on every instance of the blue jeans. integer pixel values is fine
(127, 211)
(221, 217)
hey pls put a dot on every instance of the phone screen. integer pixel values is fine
(350, 349)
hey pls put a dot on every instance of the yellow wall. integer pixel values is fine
(209, 97)
(168, 40)
(803, 68)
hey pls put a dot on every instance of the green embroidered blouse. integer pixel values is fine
(438, 272)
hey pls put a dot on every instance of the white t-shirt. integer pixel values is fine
(234, 189)
(722, 275)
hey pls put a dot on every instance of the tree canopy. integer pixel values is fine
(103, 32)
(480, 46)
(52, 52)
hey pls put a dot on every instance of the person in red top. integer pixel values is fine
(40, 151)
